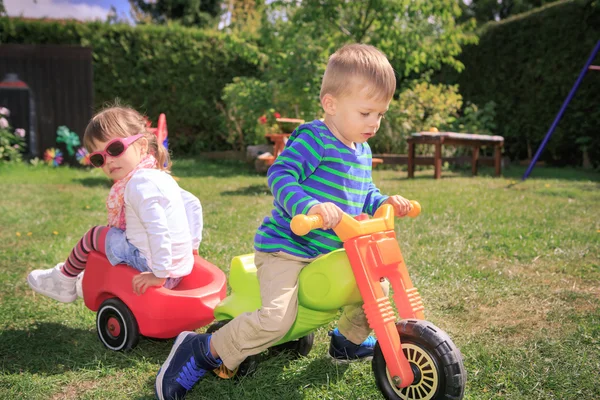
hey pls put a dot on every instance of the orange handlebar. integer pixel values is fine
(302, 224)
(415, 209)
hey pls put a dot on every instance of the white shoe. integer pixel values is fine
(79, 284)
(53, 283)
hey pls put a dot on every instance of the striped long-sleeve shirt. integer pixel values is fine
(315, 167)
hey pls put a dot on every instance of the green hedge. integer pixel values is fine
(527, 65)
(175, 70)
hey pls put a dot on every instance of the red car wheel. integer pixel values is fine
(117, 328)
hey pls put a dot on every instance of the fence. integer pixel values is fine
(61, 81)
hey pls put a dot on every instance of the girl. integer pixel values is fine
(147, 211)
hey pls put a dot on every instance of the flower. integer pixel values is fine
(83, 156)
(29, 233)
(20, 132)
(55, 232)
(16, 146)
(18, 234)
(276, 115)
(263, 119)
(4, 111)
(53, 157)
(3, 123)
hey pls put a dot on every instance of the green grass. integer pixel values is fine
(510, 269)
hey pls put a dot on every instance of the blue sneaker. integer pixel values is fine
(343, 350)
(188, 362)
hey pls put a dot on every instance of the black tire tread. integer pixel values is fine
(446, 352)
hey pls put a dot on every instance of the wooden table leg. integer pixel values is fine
(438, 161)
(497, 159)
(474, 160)
(411, 159)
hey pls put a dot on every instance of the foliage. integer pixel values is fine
(527, 65)
(493, 10)
(416, 36)
(473, 119)
(196, 13)
(298, 37)
(247, 99)
(419, 108)
(12, 142)
(243, 16)
(156, 69)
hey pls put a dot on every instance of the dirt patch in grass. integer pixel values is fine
(528, 300)
(75, 390)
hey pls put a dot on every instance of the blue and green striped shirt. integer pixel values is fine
(315, 167)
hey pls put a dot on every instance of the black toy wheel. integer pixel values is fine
(435, 360)
(246, 368)
(117, 327)
(296, 348)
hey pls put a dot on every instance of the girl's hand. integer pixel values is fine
(400, 204)
(145, 280)
(332, 214)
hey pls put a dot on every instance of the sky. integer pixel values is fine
(78, 9)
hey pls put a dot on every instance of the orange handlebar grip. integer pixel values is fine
(302, 224)
(415, 210)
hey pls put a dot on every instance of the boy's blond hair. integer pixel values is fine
(118, 121)
(359, 64)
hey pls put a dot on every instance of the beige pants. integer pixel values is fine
(253, 332)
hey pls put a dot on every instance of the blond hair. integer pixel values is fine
(359, 63)
(118, 121)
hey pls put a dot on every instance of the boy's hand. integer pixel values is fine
(400, 204)
(332, 214)
(145, 280)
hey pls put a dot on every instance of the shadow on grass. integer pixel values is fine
(513, 172)
(95, 182)
(214, 168)
(252, 190)
(277, 377)
(54, 349)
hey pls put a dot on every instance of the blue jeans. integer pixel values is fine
(120, 251)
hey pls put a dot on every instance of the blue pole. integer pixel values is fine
(562, 110)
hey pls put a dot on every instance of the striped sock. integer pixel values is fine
(95, 240)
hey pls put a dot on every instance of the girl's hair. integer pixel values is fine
(118, 121)
(355, 64)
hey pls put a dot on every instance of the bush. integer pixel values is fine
(156, 69)
(419, 108)
(12, 142)
(527, 65)
(246, 100)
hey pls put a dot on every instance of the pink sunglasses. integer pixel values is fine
(114, 148)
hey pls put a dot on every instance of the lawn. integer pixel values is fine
(510, 269)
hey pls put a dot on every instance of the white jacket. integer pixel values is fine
(157, 212)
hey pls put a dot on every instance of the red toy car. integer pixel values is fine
(158, 313)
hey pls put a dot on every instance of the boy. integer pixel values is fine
(325, 169)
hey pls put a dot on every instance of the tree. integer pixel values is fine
(198, 13)
(417, 37)
(243, 16)
(494, 10)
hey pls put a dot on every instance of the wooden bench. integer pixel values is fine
(453, 139)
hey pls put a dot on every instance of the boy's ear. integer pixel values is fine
(328, 102)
